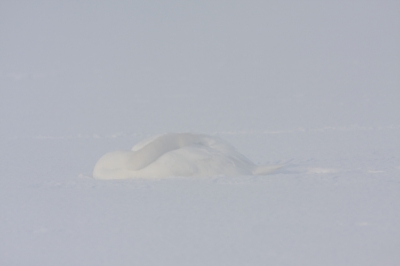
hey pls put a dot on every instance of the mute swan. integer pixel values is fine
(177, 154)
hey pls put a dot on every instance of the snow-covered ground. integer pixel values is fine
(315, 86)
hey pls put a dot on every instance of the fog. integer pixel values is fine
(310, 85)
(101, 67)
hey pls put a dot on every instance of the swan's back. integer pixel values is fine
(182, 154)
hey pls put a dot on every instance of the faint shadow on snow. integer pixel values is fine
(320, 170)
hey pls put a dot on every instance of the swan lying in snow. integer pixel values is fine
(183, 154)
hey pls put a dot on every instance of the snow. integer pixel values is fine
(314, 86)
(327, 207)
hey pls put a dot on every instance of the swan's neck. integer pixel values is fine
(161, 145)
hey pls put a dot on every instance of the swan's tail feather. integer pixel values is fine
(266, 169)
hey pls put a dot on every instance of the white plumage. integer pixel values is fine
(177, 154)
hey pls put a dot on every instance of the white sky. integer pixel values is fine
(93, 67)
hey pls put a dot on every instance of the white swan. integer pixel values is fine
(177, 154)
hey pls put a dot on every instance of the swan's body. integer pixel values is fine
(182, 154)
